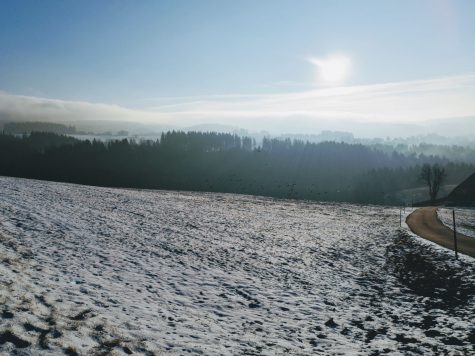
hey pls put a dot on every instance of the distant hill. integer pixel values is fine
(463, 194)
(27, 127)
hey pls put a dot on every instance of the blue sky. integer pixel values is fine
(205, 56)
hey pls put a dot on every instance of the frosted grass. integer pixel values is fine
(91, 269)
(464, 220)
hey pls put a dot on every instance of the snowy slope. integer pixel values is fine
(464, 220)
(86, 269)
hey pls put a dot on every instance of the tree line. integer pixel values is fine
(218, 162)
(18, 128)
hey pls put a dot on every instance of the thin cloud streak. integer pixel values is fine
(400, 102)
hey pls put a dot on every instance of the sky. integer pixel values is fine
(293, 66)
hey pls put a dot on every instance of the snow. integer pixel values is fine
(87, 269)
(464, 220)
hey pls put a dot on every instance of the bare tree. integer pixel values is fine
(433, 176)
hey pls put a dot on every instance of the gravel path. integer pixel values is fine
(425, 223)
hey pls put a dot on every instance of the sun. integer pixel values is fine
(332, 70)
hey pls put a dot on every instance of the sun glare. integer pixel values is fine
(332, 70)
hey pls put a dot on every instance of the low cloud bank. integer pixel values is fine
(371, 109)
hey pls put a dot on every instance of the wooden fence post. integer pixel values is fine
(400, 217)
(455, 235)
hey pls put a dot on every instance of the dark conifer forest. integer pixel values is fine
(216, 162)
(38, 126)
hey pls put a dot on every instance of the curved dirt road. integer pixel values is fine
(425, 223)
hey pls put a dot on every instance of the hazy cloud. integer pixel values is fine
(403, 103)
(17, 107)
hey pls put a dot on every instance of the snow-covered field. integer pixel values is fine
(464, 220)
(94, 270)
